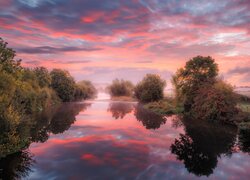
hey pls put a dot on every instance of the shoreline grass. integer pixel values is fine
(123, 98)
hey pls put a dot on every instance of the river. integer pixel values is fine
(103, 139)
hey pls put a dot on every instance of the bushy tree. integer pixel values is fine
(150, 89)
(120, 88)
(63, 83)
(85, 90)
(7, 62)
(43, 76)
(215, 103)
(197, 71)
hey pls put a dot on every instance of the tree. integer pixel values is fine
(63, 83)
(215, 103)
(151, 88)
(197, 71)
(120, 88)
(43, 76)
(7, 62)
(84, 90)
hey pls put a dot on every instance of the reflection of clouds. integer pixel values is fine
(97, 145)
(94, 156)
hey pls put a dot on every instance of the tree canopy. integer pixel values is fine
(151, 88)
(197, 71)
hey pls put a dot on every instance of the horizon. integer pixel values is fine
(101, 41)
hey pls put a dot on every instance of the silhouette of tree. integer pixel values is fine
(16, 166)
(244, 140)
(202, 144)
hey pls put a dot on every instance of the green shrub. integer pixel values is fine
(215, 103)
(85, 90)
(63, 83)
(120, 88)
(43, 76)
(150, 89)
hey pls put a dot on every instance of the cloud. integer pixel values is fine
(107, 74)
(53, 50)
(147, 33)
(240, 70)
(72, 62)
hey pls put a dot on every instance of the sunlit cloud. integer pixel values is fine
(147, 34)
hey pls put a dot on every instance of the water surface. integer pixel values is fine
(102, 139)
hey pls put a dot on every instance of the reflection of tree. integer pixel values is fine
(195, 160)
(15, 138)
(202, 144)
(16, 166)
(244, 140)
(120, 109)
(56, 120)
(65, 116)
(176, 122)
(148, 118)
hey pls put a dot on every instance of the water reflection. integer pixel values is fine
(148, 118)
(244, 140)
(202, 144)
(120, 109)
(16, 166)
(65, 116)
(55, 120)
(117, 144)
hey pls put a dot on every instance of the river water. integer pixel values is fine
(103, 139)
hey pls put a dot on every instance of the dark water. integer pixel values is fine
(118, 140)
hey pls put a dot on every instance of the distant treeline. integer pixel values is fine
(199, 92)
(24, 91)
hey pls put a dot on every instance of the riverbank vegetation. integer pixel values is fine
(25, 92)
(201, 94)
(150, 89)
(198, 93)
(121, 90)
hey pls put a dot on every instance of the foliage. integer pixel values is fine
(150, 89)
(120, 88)
(197, 71)
(63, 83)
(43, 76)
(164, 107)
(85, 90)
(7, 62)
(215, 103)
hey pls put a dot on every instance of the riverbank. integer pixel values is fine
(123, 98)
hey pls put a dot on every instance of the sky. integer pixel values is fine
(100, 40)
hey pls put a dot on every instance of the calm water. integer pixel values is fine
(117, 140)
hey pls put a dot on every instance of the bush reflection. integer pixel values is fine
(148, 118)
(14, 162)
(202, 144)
(120, 109)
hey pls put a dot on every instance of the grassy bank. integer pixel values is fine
(122, 98)
(164, 107)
